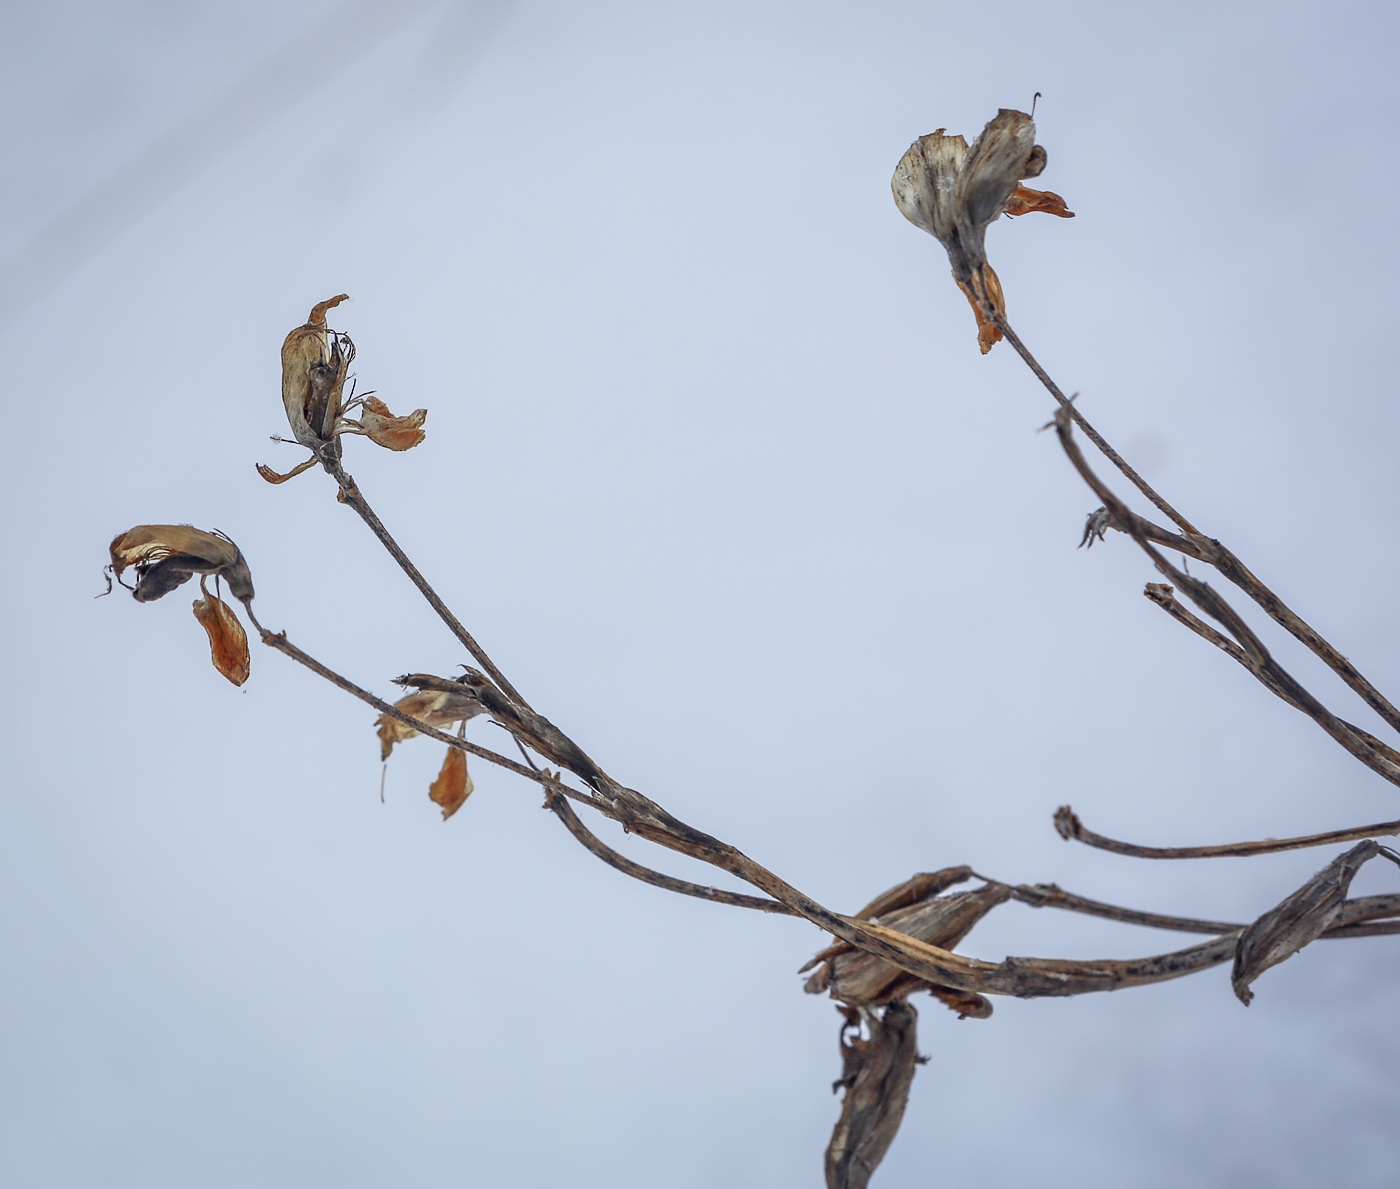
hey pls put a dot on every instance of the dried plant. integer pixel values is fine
(904, 941)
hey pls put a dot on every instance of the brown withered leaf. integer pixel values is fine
(1283, 931)
(168, 555)
(384, 429)
(452, 786)
(228, 643)
(433, 707)
(1025, 201)
(954, 192)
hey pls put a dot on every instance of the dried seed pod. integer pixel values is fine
(315, 362)
(876, 1074)
(168, 555)
(1283, 931)
(954, 192)
(165, 556)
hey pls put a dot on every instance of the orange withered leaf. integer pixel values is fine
(452, 786)
(1025, 201)
(954, 192)
(987, 334)
(433, 707)
(228, 643)
(165, 556)
(384, 429)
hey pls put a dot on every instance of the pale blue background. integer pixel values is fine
(715, 471)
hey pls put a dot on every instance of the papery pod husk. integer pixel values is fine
(1283, 931)
(228, 643)
(876, 1076)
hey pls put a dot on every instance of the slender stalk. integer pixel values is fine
(1209, 550)
(1069, 826)
(353, 497)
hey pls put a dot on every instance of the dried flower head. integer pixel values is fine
(315, 364)
(165, 556)
(954, 192)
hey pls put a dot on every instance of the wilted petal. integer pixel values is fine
(433, 707)
(987, 333)
(228, 644)
(1026, 201)
(1283, 931)
(167, 555)
(452, 786)
(384, 429)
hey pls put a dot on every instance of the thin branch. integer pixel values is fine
(1021, 977)
(279, 641)
(560, 808)
(352, 497)
(1049, 895)
(1257, 658)
(1207, 549)
(1068, 825)
(1089, 431)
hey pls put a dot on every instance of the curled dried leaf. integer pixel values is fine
(432, 707)
(452, 786)
(384, 429)
(228, 643)
(954, 192)
(165, 556)
(1025, 201)
(1283, 931)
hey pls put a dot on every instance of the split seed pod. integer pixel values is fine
(165, 556)
(955, 192)
(315, 364)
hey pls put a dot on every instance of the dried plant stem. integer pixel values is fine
(1211, 551)
(1021, 977)
(352, 497)
(1089, 431)
(1256, 656)
(1069, 826)
(560, 808)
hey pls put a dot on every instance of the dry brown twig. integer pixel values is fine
(903, 941)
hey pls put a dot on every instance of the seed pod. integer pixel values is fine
(168, 555)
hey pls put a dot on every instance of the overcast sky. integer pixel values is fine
(716, 473)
